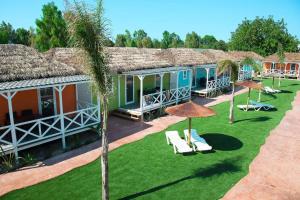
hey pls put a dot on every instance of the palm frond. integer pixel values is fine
(88, 32)
(256, 66)
(228, 66)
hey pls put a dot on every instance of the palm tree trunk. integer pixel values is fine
(231, 117)
(104, 157)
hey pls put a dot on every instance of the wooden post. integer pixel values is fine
(141, 96)
(207, 74)
(9, 98)
(119, 92)
(248, 99)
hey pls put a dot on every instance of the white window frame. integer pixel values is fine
(129, 102)
(184, 74)
(155, 83)
(194, 77)
(40, 100)
(292, 64)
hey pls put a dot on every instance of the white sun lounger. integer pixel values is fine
(270, 90)
(199, 143)
(179, 144)
(250, 107)
(264, 106)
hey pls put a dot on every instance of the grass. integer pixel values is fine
(148, 169)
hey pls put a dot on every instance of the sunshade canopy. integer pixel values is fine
(190, 110)
(250, 84)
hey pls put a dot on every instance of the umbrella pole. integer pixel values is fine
(259, 96)
(248, 99)
(190, 127)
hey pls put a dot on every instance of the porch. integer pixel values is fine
(287, 69)
(52, 109)
(171, 86)
(206, 82)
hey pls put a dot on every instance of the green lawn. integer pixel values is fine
(148, 169)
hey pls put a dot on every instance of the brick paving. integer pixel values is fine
(121, 131)
(275, 173)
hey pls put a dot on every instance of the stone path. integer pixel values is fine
(121, 131)
(275, 172)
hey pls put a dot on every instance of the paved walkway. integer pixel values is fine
(121, 131)
(275, 172)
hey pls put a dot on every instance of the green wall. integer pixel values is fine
(149, 83)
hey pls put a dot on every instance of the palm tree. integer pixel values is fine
(281, 57)
(256, 67)
(233, 69)
(88, 31)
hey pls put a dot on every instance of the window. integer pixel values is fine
(129, 90)
(194, 77)
(157, 81)
(293, 67)
(47, 103)
(184, 74)
(273, 66)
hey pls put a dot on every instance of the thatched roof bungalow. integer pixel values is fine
(289, 67)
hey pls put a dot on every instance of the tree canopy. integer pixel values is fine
(51, 29)
(262, 35)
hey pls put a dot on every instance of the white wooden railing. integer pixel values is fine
(154, 100)
(278, 72)
(245, 75)
(34, 131)
(218, 83)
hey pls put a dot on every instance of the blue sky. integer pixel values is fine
(216, 17)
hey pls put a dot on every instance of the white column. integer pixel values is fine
(207, 74)
(61, 113)
(161, 88)
(9, 98)
(216, 76)
(177, 83)
(141, 95)
(119, 91)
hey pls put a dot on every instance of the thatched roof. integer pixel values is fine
(215, 55)
(122, 59)
(19, 62)
(240, 55)
(184, 57)
(289, 57)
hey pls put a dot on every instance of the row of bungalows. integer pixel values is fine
(47, 96)
(288, 67)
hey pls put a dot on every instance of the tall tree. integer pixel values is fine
(175, 41)
(7, 33)
(208, 42)
(51, 29)
(89, 32)
(138, 37)
(262, 35)
(120, 40)
(156, 43)
(166, 40)
(192, 40)
(147, 42)
(22, 36)
(233, 69)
